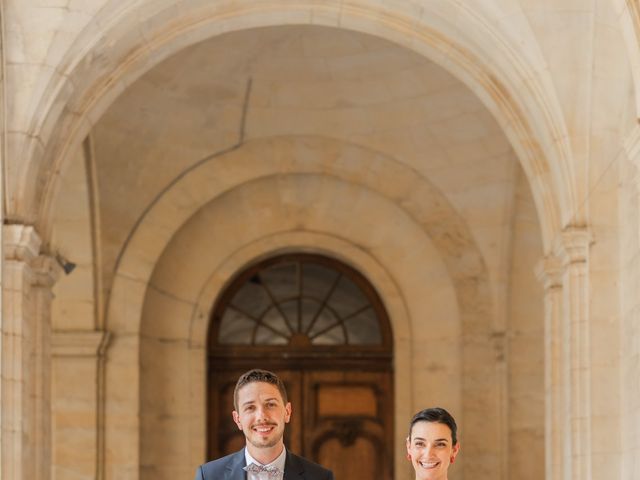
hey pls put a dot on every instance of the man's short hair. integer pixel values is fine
(436, 415)
(257, 375)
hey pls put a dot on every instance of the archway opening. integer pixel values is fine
(323, 328)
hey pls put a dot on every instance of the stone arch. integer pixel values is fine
(280, 156)
(196, 265)
(278, 242)
(111, 54)
(277, 159)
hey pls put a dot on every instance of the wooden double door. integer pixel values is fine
(342, 419)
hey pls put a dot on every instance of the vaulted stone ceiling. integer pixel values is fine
(288, 81)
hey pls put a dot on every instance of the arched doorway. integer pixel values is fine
(322, 327)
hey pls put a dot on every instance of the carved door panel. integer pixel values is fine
(348, 423)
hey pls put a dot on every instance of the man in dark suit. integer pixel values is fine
(261, 413)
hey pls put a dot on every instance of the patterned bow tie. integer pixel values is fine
(272, 471)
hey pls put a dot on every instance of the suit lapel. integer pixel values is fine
(293, 468)
(234, 469)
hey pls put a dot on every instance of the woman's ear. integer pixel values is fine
(454, 452)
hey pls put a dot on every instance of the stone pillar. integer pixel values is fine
(77, 425)
(549, 272)
(46, 273)
(24, 410)
(576, 353)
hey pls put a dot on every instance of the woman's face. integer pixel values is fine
(431, 450)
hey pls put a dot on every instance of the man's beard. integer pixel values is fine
(270, 444)
(260, 443)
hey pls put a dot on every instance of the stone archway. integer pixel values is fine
(164, 344)
(308, 241)
(321, 325)
(141, 257)
(73, 103)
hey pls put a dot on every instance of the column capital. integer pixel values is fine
(47, 271)
(20, 242)
(572, 245)
(90, 343)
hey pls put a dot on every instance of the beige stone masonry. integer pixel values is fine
(549, 272)
(47, 271)
(21, 246)
(568, 417)
(632, 143)
(573, 249)
(78, 425)
(25, 405)
(78, 344)
(630, 329)
(628, 13)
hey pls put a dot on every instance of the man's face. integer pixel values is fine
(261, 414)
(431, 450)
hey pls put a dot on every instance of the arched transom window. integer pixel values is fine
(300, 300)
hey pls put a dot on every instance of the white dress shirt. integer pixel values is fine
(278, 462)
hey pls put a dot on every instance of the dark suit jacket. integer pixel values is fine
(230, 468)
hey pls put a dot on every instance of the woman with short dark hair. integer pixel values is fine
(432, 444)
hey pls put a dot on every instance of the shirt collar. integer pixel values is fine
(278, 462)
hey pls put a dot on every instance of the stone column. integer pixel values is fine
(576, 353)
(76, 374)
(46, 273)
(24, 410)
(549, 272)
